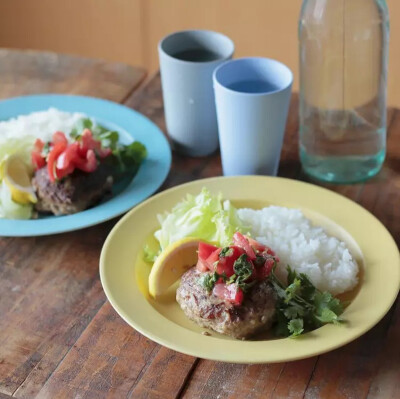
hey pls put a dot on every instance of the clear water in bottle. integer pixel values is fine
(343, 73)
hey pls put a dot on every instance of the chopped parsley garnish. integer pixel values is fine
(259, 261)
(208, 280)
(231, 279)
(243, 269)
(226, 252)
(301, 307)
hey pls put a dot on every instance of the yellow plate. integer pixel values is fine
(124, 274)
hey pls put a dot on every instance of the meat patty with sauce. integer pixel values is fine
(73, 193)
(207, 310)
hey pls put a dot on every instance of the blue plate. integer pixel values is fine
(129, 124)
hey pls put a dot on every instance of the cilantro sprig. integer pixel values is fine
(225, 252)
(243, 269)
(208, 280)
(301, 307)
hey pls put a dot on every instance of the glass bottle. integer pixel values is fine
(343, 83)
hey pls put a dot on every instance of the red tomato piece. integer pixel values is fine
(64, 172)
(57, 149)
(38, 145)
(241, 241)
(269, 251)
(88, 164)
(68, 156)
(88, 142)
(255, 244)
(231, 293)
(38, 160)
(59, 137)
(225, 263)
(65, 164)
(202, 266)
(236, 295)
(264, 271)
(269, 264)
(205, 250)
(213, 258)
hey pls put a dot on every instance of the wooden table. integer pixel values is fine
(60, 338)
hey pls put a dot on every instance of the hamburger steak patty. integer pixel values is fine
(73, 193)
(255, 313)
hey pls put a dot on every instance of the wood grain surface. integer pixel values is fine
(59, 338)
(33, 72)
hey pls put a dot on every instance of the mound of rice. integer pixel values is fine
(39, 125)
(307, 249)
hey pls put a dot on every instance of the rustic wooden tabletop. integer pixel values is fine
(60, 338)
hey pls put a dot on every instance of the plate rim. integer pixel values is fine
(232, 359)
(29, 227)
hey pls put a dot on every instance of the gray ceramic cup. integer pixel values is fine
(187, 62)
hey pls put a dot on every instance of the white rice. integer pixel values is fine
(326, 260)
(40, 125)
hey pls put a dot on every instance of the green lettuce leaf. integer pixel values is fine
(21, 145)
(204, 216)
(10, 209)
(149, 255)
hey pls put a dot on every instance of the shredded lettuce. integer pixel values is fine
(10, 209)
(150, 255)
(22, 145)
(204, 216)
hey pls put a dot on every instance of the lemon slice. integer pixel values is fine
(171, 264)
(17, 176)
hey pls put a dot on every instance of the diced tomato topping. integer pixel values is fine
(38, 145)
(87, 142)
(255, 244)
(269, 264)
(37, 160)
(36, 156)
(202, 266)
(68, 156)
(241, 241)
(65, 157)
(205, 250)
(225, 263)
(70, 159)
(231, 293)
(59, 137)
(89, 164)
(269, 251)
(213, 258)
(264, 271)
(256, 263)
(57, 149)
(66, 161)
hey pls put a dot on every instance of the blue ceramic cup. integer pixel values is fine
(187, 62)
(252, 99)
